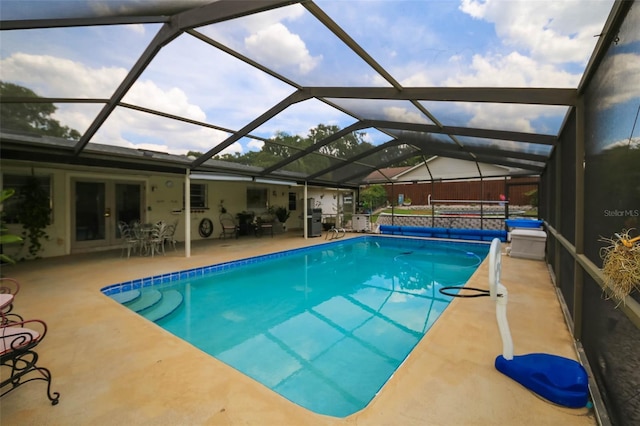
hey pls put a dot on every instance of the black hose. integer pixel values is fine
(479, 291)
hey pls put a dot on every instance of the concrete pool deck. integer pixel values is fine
(113, 367)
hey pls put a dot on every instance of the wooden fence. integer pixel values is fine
(514, 189)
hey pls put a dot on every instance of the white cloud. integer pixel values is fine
(277, 47)
(263, 20)
(235, 147)
(255, 145)
(512, 117)
(419, 77)
(550, 31)
(174, 101)
(634, 143)
(513, 70)
(136, 28)
(228, 33)
(401, 114)
(51, 76)
(620, 82)
(137, 130)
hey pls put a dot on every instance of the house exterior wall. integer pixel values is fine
(450, 168)
(160, 201)
(331, 201)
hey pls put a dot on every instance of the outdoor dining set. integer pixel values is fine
(147, 238)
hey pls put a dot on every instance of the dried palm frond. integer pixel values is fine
(621, 264)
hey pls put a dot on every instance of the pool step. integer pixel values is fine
(126, 296)
(171, 300)
(151, 303)
(146, 300)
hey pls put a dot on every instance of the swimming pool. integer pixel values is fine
(324, 326)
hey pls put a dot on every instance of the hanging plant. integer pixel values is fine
(34, 214)
(621, 264)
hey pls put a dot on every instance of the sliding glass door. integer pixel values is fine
(97, 207)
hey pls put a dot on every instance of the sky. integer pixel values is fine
(420, 43)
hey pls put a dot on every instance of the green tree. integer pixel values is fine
(284, 145)
(373, 197)
(32, 117)
(194, 154)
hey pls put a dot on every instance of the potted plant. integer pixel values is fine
(34, 214)
(6, 238)
(282, 214)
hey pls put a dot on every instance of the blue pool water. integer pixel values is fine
(324, 326)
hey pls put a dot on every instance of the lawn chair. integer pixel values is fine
(18, 358)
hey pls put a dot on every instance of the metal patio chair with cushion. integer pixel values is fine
(8, 290)
(18, 358)
(229, 226)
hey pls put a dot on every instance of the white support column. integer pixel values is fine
(305, 213)
(187, 215)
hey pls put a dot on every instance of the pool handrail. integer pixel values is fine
(499, 294)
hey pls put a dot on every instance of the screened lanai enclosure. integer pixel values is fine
(325, 93)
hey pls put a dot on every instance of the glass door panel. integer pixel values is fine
(128, 206)
(90, 210)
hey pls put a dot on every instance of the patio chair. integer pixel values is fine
(18, 357)
(8, 290)
(129, 240)
(169, 234)
(141, 233)
(229, 226)
(264, 224)
(157, 237)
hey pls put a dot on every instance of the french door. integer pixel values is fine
(97, 207)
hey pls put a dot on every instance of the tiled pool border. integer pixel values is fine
(210, 269)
